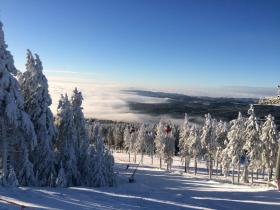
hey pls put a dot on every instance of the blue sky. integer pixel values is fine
(150, 42)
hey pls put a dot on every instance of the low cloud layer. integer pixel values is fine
(106, 100)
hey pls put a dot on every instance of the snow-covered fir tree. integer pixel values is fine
(208, 140)
(37, 101)
(165, 143)
(194, 145)
(184, 142)
(103, 174)
(126, 139)
(66, 140)
(141, 141)
(118, 133)
(253, 145)
(11, 180)
(16, 127)
(221, 140)
(234, 148)
(270, 138)
(25, 174)
(159, 141)
(150, 143)
(61, 180)
(82, 139)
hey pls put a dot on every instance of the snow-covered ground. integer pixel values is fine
(153, 189)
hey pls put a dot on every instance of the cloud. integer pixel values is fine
(106, 100)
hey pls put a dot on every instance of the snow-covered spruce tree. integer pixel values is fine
(253, 145)
(61, 180)
(141, 141)
(127, 142)
(234, 148)
(165, 143)
(150, 144)
(99, 168)
(159, 141)
(37, 101)
(103, 174)
(12, 178)
(82, 139)
(118, 136)
(24, 168)
(221, 139)
(277, 168)
(16, 128)
(66, 140)
(194, 145)
(208, 140)
(184, 142)
(269, 137)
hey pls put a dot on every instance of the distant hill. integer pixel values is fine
(178, 104)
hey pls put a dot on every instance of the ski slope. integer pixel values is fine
(153, 189)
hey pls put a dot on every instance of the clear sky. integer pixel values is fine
(150, 42)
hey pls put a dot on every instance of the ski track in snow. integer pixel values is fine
(153, 189)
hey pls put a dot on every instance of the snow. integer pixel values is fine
(153, 189)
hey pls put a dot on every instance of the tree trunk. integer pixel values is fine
(217, 166)
(152, 157)
(210, 167)
(257, 174)
(129, 156)
(186, 164)
(252, 176)
(134, 157)
(195, 165)
(238, 173)
(232, 174)
(271, 173)
(277, 172)
(263, 172)
(268, 176)
(245, 172)
(160, 163)
(142, 156)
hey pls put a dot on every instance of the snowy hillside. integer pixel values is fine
(153, 189)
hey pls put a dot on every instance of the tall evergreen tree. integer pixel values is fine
(208, 140)
(253, 145)
(234, 148)
(184, 142)
(66, 141)
(37, 101)
(270, 138)
(82, 139)
(194, 145)
(165, 143)
(17, 130)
